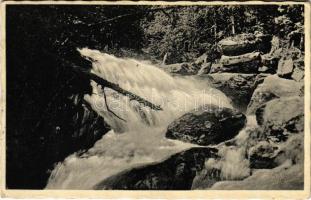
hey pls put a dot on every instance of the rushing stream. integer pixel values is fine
(140, 138)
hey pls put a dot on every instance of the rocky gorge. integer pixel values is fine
(273, 146)
(246, 132)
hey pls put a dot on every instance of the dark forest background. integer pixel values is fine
(45, 108)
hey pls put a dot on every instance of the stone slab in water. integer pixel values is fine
(208, 124)
(174, 173)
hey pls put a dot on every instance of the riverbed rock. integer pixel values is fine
(238, 87)
(298, 72)
(206, 178)
(281, 117)
(262, 155)
(244, 43)
(285, 68)
(271, 88)
(291, 150)
(208, 124)
(286, 177)
(174, 173)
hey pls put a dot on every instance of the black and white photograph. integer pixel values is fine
(155, 96)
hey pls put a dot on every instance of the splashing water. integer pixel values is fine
(140, 139)
(233, 164)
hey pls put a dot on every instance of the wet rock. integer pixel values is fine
(244, 43)
(298, 73)
(285, 177)
(271, 88)
(174, 173)
(262, 155)
(281, 117)
(291, 150)
(206, 178)
(285, 68)
(246, 63)
(266, 154)
(238, 87)
(208, 124)
(182, 68)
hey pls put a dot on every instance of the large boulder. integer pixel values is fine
(271, 88)
(206, 178)
(298, 72)
(244, 43)
(281, 117)
(174, 173)
(245, 63)
(285, 68)
(238, 87)
(291, 150)
(208, 124)
(285, 177)
(262, 155)
(267, 154)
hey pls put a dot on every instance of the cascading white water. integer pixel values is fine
(140, 139)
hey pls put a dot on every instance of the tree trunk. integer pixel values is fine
(86, 73)
(113, 86)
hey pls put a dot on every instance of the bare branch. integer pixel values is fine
(108, 109)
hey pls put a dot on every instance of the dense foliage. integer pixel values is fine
(186, 32)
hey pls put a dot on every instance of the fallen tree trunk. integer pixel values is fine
(86, 73)
(114, 87)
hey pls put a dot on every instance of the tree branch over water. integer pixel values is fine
(103, 82)
(114, 87)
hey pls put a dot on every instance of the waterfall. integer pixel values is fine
(140, 139)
